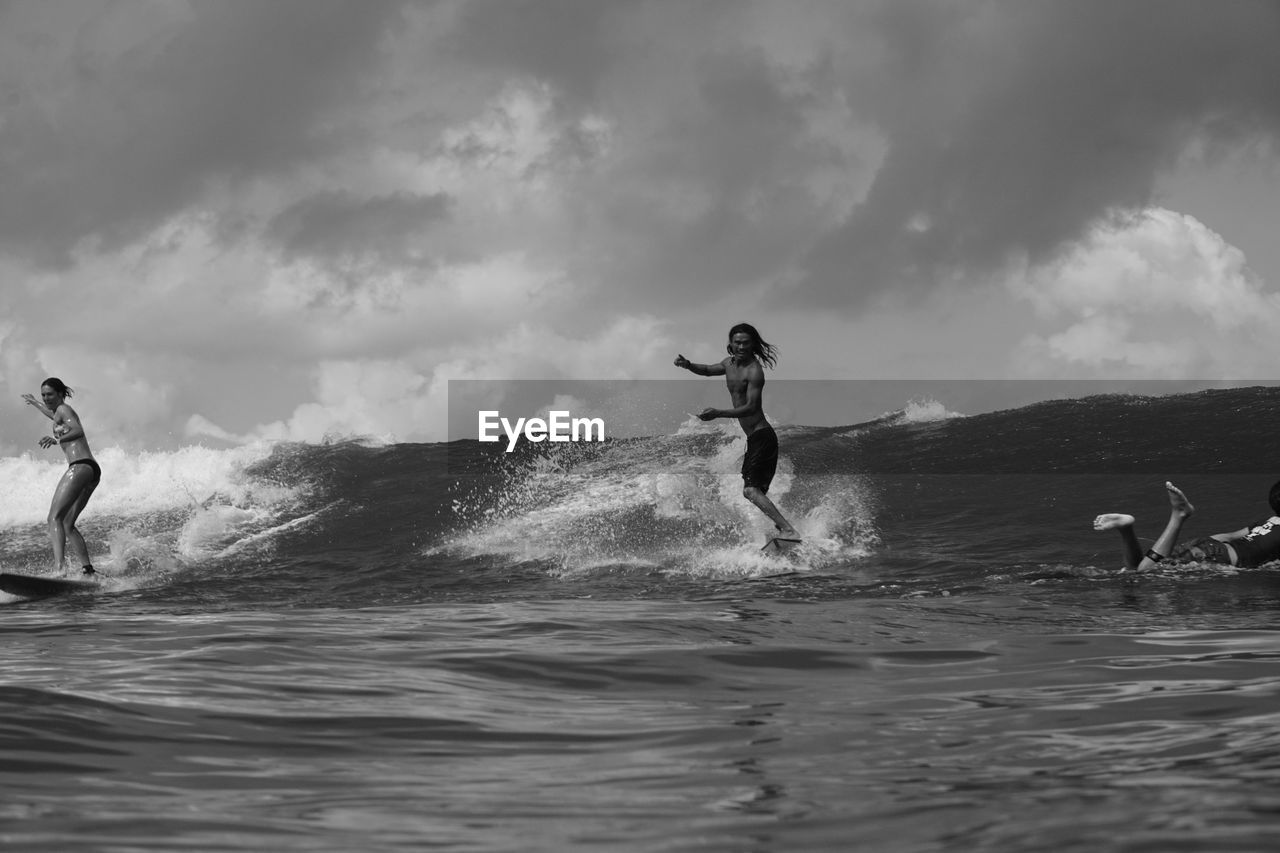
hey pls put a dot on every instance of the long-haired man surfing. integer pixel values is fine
(743, 371)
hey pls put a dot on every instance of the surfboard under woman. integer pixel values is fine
(80, 479)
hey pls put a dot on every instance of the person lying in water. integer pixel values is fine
(1253, 545)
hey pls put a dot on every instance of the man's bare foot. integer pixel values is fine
(1178, 501)
(1112, 520)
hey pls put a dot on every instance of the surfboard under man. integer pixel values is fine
(743, 371)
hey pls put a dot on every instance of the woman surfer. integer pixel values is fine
(80, 479)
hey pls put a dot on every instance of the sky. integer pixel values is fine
(223, 221)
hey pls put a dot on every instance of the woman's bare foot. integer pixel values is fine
(1178, 501)
(1112, 520)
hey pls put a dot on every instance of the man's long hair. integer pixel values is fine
(760, 348)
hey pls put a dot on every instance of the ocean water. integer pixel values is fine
(408, 647)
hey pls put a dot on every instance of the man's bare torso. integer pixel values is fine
(739, 378)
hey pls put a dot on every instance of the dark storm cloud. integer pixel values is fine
(1009, 126)
(234, 90)
(338, 224)
(745, 149)
(1014, 125)
(564, 42)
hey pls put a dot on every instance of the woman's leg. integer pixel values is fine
(66, 496)
(74, 539)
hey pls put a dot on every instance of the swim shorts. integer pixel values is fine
(1204, 550)
(761, 459)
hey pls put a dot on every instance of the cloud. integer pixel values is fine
(1012, 127)
(198, 426)
(119, 116)
(122, 398)
(827, 153)
(1156, 295)
(839, 151)
(339, 224)
(710, 163)
(567, 43)
(239, 215)
(406, 399)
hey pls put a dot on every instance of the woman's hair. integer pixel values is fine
(58, 385)
(760, 348)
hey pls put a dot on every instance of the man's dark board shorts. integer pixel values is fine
(761, 459)
(1205, 550)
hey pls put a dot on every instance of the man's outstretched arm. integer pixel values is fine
(700, 369)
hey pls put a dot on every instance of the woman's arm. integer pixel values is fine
(39, 406)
